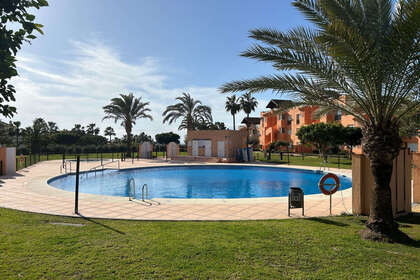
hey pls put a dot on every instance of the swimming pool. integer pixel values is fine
(208, 181)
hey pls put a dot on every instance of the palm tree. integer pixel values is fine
(109, 131)
(191, 111)
(362, 58)
(127, 109)
(248, 105)
(233, 107)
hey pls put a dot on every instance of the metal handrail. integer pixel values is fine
(142, 192)
(101, 165)
(323, 166)
(131, 189)
(65, 167)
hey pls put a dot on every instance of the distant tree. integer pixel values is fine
(36, 135)
(127, 109)
(275, 146)
(109, 131)
(78, 129)
(232, 106)
(248, 105)
(220, 126)
(143, 137)
(91, 139)
(65, 137)
(190, 111)
(15, 130)
(322, 135)
(52, 127)
(92, 129)
(16, 27)
(166, 138)
(352, 136)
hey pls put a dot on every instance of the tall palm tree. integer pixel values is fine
(232, 105)
(127, 109)
(362, 58)
(191, 111)
(109, 131)
(248, 105)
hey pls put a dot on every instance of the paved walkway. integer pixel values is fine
(29, 191)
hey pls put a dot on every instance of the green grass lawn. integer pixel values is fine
(317, 161)
(323, 248)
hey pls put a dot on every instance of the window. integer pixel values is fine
(338, 115)
(289, 120)
(289, 132)
(298, 119)
(280, 117)
(283, 130)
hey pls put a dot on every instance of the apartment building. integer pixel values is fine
(282, 122)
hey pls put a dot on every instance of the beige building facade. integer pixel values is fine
(221, 144)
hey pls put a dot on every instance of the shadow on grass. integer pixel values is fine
(98, 223)
(404, 239)
(412, 218)
(328, 222)
(404, 222)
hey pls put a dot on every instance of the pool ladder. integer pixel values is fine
(132, 190)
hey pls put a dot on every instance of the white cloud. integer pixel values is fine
(75, 90)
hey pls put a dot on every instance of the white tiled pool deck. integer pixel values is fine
(29, 191)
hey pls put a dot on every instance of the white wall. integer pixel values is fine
(10, 161)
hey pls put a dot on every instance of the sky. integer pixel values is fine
(95, 50)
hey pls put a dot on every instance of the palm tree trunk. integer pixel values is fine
(233, 121)
(247, 132)
(128, 131)
(129, 145)
(381, 144)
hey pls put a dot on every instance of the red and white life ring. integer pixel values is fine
(322, 184)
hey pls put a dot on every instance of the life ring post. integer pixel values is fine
(332, 188)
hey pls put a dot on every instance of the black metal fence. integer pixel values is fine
(330, 160)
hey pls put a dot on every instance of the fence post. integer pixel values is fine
(76, 198)
(64, 159)
(338, 161)
(17, 164)
(102, 161)
(25, 162)
(30, 159)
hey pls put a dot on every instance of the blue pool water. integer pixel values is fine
(199, 181)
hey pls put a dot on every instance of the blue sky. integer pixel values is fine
(94, 50)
